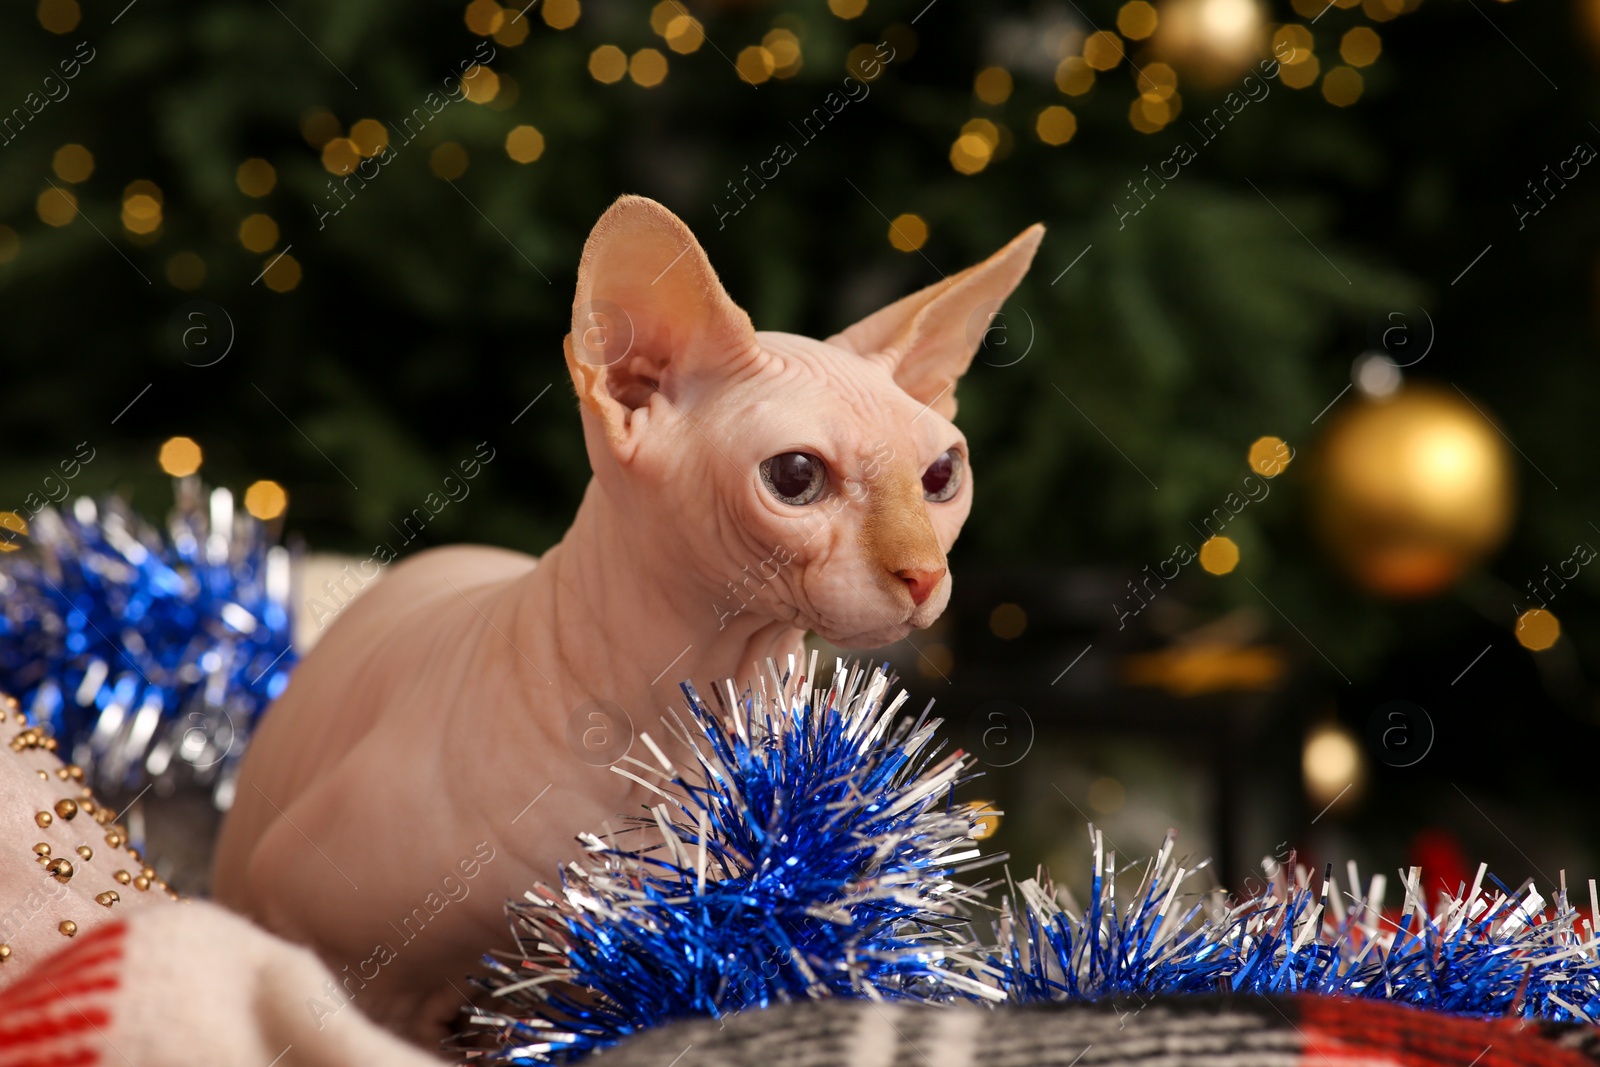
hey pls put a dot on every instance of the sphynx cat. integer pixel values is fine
(418, 771)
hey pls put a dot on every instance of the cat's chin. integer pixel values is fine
(874, 638)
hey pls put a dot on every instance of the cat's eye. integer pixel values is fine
(943, 477)
(796, 478)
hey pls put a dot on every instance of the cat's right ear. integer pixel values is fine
(649, 317)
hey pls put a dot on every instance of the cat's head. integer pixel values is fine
(820, 483)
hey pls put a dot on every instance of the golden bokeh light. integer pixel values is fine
(186, 271)
(141, 213)
(862, 62)
(1301, 74)
(648, 68)
(1342, 86)
(59, 16)
(1151, 114)
(180, 456)
(908, 232)
(561, 14)
(847, 9)
(755, 64)
(448, 161)
(1361, 46)
(1157, 80)
(1219, 555)
(484, 17)
(258, 233)
(10, 244)
(319, 126)
(1294, 37)
(1383, 10)
(282, 273)
(512, 32)
(1074, 76)
(56, 207)
(72, 163)
(266, 499)
(1008, 621)
(662, 14)
(1537, 629)
(340, 156)
(1107, 796)
(608, 64)
(524, 144)
(985, 129)
(1269, 456)
(1055, 125)
(480, 84)
(785, 49)
(255, 177)
(369, 136)
(992, 85)
(685, 34)
(1136, 20)
(1309, 8)
(970, 153)
(1102, 50)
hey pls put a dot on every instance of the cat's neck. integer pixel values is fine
(633, 623)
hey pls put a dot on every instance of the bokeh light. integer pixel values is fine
(561, 14)
(1055, 125)
(1219, 555)
(608, 64)
(1537, 629)
(908, 232)
(180, 456)
(992, 85)
(255, 177)
(72, 163)
(266, 499)
(524, 144)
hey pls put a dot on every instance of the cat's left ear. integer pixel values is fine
(930, 337)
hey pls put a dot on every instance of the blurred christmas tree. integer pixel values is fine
(335, 243)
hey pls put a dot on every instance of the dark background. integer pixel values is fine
(430, 314)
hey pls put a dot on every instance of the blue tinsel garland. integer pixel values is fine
(149, 654)
(812, 853)
(809, 854)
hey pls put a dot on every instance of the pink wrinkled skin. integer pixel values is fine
(421, 767)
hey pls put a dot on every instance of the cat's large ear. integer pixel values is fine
(649, 316)
(930, 337)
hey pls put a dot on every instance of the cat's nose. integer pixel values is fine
(921, 583)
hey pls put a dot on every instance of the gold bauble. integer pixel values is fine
(1412, 490)
(1212, 42)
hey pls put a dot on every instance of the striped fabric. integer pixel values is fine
(1166, 1032)
(59, 1015)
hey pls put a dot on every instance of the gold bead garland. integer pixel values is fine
(65, 811)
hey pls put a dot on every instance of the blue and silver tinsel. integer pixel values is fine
(810, 852)
(149, 654)
(1485, 950)
(812, 849)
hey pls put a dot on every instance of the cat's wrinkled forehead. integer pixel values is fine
(866, 383)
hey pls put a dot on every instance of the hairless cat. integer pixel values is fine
(417, 770)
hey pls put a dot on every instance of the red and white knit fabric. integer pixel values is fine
(187, 986)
